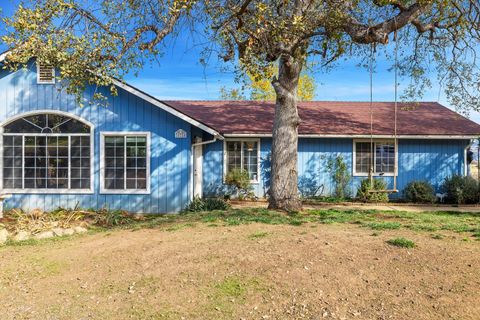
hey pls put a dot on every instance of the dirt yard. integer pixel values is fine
(254, 271)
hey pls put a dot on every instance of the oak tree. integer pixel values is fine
(439, 34)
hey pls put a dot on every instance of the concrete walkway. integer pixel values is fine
(370, 206)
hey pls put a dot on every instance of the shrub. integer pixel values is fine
(240, 180)
(340, 176)
(402, 243)
(364, 194)
(111, 218)
(211, 204)
(208, 204)
(195, 205)
(461, 190)
(419, 192)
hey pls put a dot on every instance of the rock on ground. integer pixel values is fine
(21, 236)
(3, 236)
(68, 232)
(79, 229)
(58, 232)
(44, 235)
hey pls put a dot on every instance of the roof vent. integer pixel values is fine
(45, 74)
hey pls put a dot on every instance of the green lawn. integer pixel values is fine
(467, 224)
(373, 219)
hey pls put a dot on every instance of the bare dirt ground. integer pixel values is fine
(254, 271)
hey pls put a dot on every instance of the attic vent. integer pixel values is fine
(45, 74)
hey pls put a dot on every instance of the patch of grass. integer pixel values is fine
(437, 236)
(384, 225)
(375, 234)
(38, 242)
(231, 287)
(258, 235)
(296, 222)
(232, 290)
(402, 243)
(46, 266)
(458, 227)
(422, 227)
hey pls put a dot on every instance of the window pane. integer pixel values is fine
(114, 162)
(234, 155)
(45, 161)
(362, 157)
(133, 159)
(80, 161)
(250, 154)
(385, 157)
(12, 162)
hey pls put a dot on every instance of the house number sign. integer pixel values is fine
(180, 134)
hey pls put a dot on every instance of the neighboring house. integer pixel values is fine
(145, 155)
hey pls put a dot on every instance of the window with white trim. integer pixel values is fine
(126, 161)
(383, 161)
(45, 74)
(244, 155)
(46, 151)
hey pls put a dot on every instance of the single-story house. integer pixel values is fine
(141, 154)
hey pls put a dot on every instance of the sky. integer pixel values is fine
(179, 75)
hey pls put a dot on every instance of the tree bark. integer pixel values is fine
(284, 174)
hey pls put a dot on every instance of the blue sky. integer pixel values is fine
(179, 75)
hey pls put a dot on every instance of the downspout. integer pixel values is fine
(215, 138)
(465, 160)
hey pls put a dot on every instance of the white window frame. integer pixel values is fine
(39, 81)
(49, 191)
(242, 140)
(375, 174)
(104, 134)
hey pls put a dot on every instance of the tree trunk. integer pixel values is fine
(284, 174)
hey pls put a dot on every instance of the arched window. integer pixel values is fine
(46, 152)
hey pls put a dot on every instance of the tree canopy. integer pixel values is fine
(260, 88)
(91, 42)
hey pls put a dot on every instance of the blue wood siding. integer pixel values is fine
(430, 160)
(170, 157)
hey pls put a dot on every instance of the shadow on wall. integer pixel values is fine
(310, 183)
(265, 172)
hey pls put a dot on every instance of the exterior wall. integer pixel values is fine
(170, 157)
(431, 160)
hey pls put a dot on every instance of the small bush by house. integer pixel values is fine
(341, 177)
(365, 194)
(461, 190)
(208, 204)
(239, 180)
(419, 192)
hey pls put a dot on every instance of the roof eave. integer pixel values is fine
(358, 136)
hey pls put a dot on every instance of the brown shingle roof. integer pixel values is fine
(331, 118)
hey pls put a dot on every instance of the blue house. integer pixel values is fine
(141, 154)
